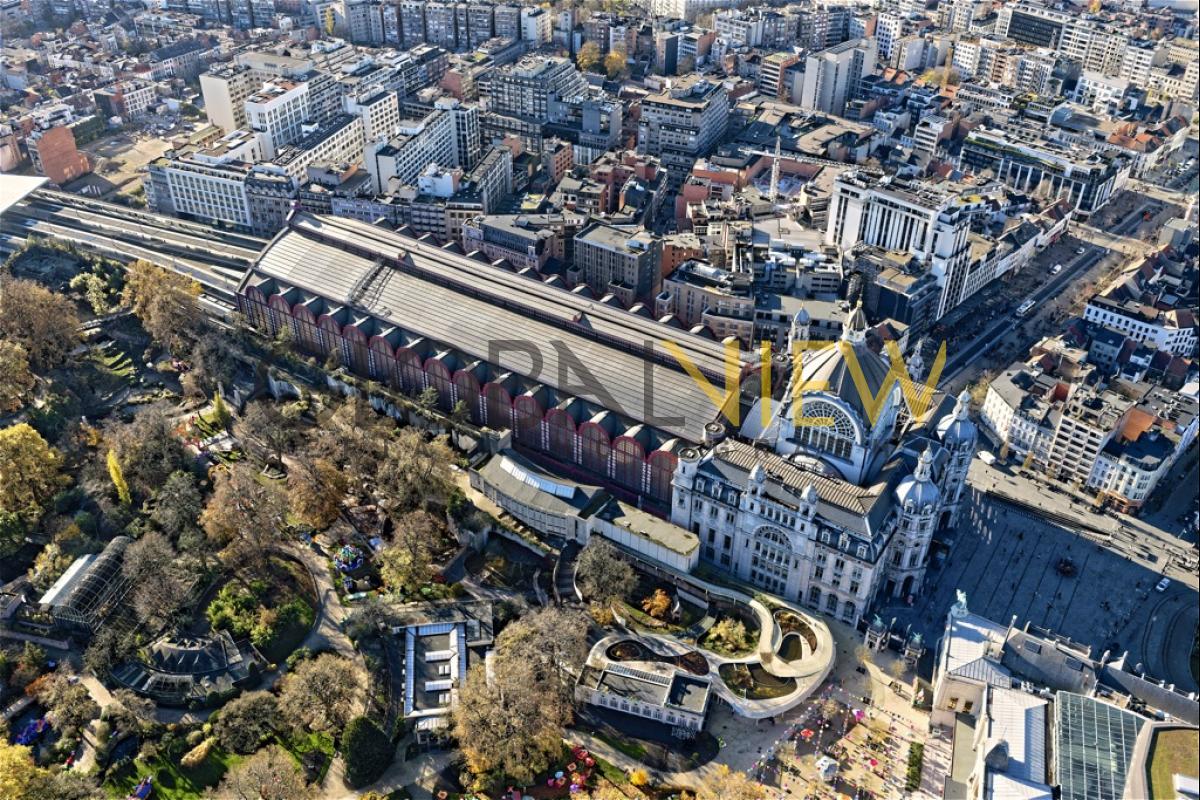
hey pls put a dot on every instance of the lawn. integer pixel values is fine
(300, 746)
(1173, 752)
(171, 781)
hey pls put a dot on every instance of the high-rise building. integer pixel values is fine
(467, 142)
(904, 216)
(364, 21)
(225, 90)
(831, 77)
(683, 123)
(418, 143)
(277, 112)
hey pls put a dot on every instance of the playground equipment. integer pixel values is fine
(32, 731)
(142, 790)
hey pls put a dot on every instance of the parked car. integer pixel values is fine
(1162, 585)
(1057, 268)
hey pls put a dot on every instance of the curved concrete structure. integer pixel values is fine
(808, 671)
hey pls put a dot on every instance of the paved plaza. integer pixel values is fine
(1016, 564)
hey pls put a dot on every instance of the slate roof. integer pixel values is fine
(382, 279)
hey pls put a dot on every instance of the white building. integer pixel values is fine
(822, 507)
(831, 77)
(418, 143)
(379, 110)
(225, 90)
(683, 123)
(896, 214)
(1173, 331)
(278, 111)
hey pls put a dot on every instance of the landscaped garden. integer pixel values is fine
(1172, 752)
(275, 612)
(629, 650)
(753, 682)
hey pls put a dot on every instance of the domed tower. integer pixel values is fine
(958, 435)
(799, 333)
(919, 500)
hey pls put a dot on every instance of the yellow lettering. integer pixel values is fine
(727, 405)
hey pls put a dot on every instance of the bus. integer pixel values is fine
(1025, 308)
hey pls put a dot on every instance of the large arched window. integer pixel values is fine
(827, 429)
(772, 552)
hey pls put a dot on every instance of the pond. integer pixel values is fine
(792, 647)
(753, 682)
(629, 650)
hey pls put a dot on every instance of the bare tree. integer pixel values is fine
(270, 430)
(602, 572)
(158, 587)
(244, 516)
(269, 774)
(320, 694)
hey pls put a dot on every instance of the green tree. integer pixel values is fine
(428, 398)
(366, 750)
(29, 472)
(220, 412)
(247, 721)
(118, 478)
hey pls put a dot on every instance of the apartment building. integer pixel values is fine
(1115, 440)
(510, 237)
(128, 99)
(54, 154)
(616, 261)
(336, 142)
(379, 110)
(525, 89)
(683, 123)
(278, 112)
(418, 143)
(831, 77)
(225, 90)
(1171, 329)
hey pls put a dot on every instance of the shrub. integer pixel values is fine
(639, 777)
(194, 737)
(366, 751)
(196, 756)
(298, 655)
(912, 775)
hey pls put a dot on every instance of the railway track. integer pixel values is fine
(216, 259)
